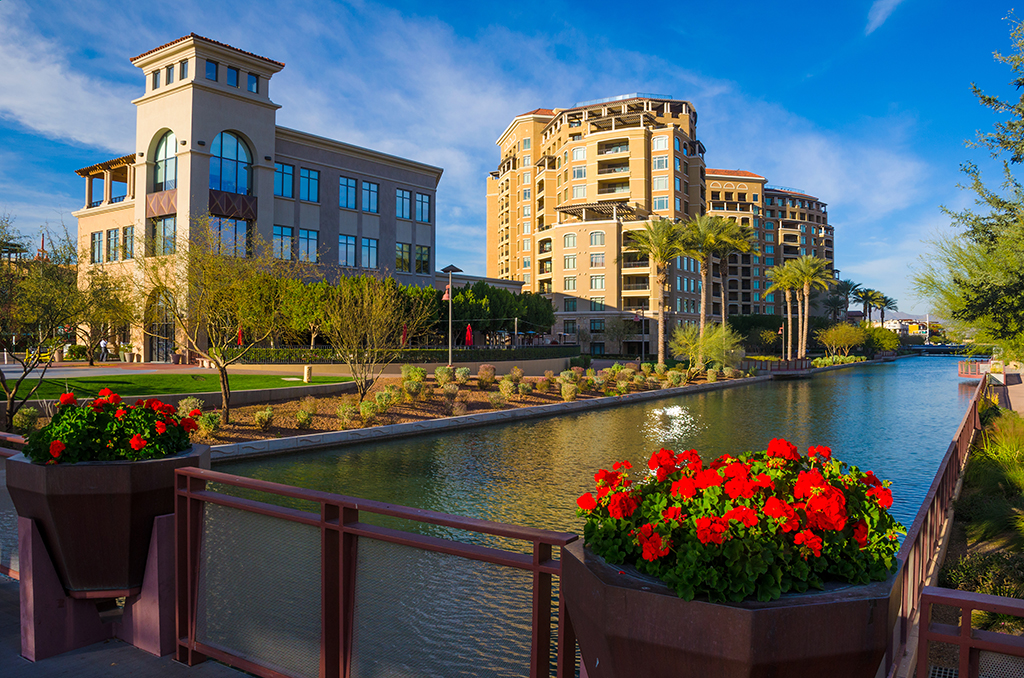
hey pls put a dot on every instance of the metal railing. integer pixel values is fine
(917, 555)
(971, 642)
(630, 287)
(645, 263)
(340, 532)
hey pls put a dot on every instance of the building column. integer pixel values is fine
(88, 191)
(131, 182)
(108, 185)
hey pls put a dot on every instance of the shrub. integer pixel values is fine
(569, 377)
(497, 401)
(507, 388)
(623, 387)
(485, 377)
(647, 368)
(549, 374)
(632, 366)
(459, 408)
(443, 375)
(569, 392)
(383, 400)
(626, 374)
(586, 385)
(591, 372)
(732, 373)
(25, 420)
(525, 388)
(367, 411)
(412, 388)
(712, 375)
(310, 404)
(406, 368)
(417, 373)
(752, 372)
(516, 374)
(579, 372)
(675, 378)
(543, 386)
(208, 424)
(584, 360)
(303, 419)
(640, 380)
(264, 418)
(346, 413)
(599, 383)
(188, 405)
(660, 369)
(615, 368)
(449, 392)
(462, 375)
(75, 352)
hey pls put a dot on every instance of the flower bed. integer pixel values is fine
(753, 526)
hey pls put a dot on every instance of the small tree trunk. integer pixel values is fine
(661, 314)
(225, 395)
(789, 324)
(703, 306)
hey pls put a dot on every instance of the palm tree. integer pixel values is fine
(836, 304)
(886, 304)
(741, 239)
(702, 238)
(660, 241)
(847, 289)
(871, 299)
(809, 272)
(782, 278)
(864, 296)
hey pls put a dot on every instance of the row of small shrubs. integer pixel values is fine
(828, 360)
(313, 356)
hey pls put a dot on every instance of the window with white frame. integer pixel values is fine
(579, 172)
(659, 143)
(660, 204)
(659, 162)
(659, 184)
(597, 238)
(569, 262)
(579, 192)
(597, 282)
(569, 283)
(579, 153)
(569, 240)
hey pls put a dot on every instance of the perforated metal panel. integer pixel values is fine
(8, 526)
(996, 665)
(259, 590)
(420, 613)
(942, 672)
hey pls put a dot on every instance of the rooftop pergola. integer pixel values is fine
(115, 169)
(604, 211)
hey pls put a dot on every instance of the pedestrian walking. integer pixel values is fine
(103, 350)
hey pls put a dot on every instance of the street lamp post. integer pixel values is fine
(449, 269)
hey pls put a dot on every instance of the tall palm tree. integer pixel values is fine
(871, 299)
(660, 241)
(809, 272)
(836, 304)
(741, 239)
(864, 296)
(847, 289)
(783, 279)
(886, 304)
(703, 237)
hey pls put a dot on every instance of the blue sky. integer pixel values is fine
(864, 103)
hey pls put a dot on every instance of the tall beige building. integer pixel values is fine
(570, 183)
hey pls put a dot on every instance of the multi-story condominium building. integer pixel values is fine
(570, 184)
(789, 223)
(207, 143)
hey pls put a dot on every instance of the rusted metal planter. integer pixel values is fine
(96, 518)
(632, 625)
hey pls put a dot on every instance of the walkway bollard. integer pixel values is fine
(307, 373)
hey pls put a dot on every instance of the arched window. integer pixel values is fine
(165, 171)
(597, 238)
(569, 240)
(230, 165)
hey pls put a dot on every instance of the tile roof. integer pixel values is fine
(732, 173)
(537, 111)
(212, 42)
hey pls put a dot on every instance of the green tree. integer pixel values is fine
(836, 304)
(619, 328)
(719, 345)
(304, 306)
(879, 339)
(841, 338)
(847, 289)
(102, 304)
(886, 304)
(809, 272)
(660, 241)
(538, 312)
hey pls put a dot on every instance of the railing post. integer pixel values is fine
(566, 667)
(347, 580)
(330, 591)
(540, 645)
(188, 529)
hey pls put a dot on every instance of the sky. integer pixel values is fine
(865, 104)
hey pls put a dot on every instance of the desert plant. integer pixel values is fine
(569, 377)
(579, 371)
(569, 392)
(25, 420)
(443, 375)
(310, 404)
(367, 411)
(303, 419)
(462, 375)
(507, 388)
(346, 412)
(660, 369)
(264, 418)
(208, 423)
(485, 377)
(675, 377)
(591, 372)
(383, 400)
(412, 389)
(647, 368)
(712, 375)
(626, 374)
(543, 386)
(525, 388)
(459, 408)
(450, 391)
(188, 405)
(497, 401)
(516, 374)
(549, 374)
(732, 373)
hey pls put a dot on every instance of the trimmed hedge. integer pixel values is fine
(326, 356)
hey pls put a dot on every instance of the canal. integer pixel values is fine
(421, 613)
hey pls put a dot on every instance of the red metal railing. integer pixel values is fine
(918, 553)
(340, 529)
(969, 640)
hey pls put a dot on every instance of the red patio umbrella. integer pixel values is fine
(469, 335)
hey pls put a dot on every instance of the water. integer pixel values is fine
(428, 614)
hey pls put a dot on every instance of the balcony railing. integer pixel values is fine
(613, 170)
(614, 189)
(632, 287)
(643, 263)
(613, 149)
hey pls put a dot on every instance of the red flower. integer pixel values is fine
(691, 459)
(764, 481)
(883, 495)
(106, 392)
(810, 541)
(673, 514)
(820, 452)
(827, 509)
(137, 442)
(807, 482)
(114, 398)
(161, 427)
(622, 505)
(189, 425)
(68, 399)
(783, 449)
(56, 447)
(624, 465)
(585, 502)
(743, 514)
(120, 413)
(860, 533)
(653, 545)
(684, 488)
(781, 511)
(738, 484)
(663, 462)
(711, 529)
(708, 478)
(870, 479)
(198, 413)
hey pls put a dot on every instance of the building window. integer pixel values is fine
(569, 326)
(660, 204)
(183, 70)
(403, 204)
(347, 193)
(526, 144)
(211, 70)
(284, 180)
(597, 260)
(769, 261)
(346, 250)
(597, 238)
(232, 77)
(169, 74)
(679, 164)
(526, 227)
(163, 235)
(579, 172)
(579, 153)
(129, 242)
(423, 259)
(308, 245)
(526, 177)
(403, 257)
(283, 242)
(659, 144)
(230, 164)
(569, 240)
(526, 262)
(596, 303)
(569, 283)
(770, 298)
(96, 250)
(165, 165)
(369, 254)
(679, 205)
(423, 208)
(526, 193)
(370, 191)
(597, 282)
(254, 83)
(309, 185)
(526, 245)
(156, 79)
(659, 184)
(113, 247)
(569, 262)
(677, 143)
(579, 192)
(232, 236)
(570, 305)
(659, 162)
(678, 184)
(597, 348)
(526, 278)
(597, 325)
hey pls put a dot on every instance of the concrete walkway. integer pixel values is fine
(109, 659)
(1015, 392)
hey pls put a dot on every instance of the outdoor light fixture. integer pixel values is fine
(449, 269)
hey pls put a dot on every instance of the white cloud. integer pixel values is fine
(879, 12)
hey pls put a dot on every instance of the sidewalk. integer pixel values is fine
(1015, 392)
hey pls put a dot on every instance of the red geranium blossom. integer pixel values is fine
(622, 505)
(783, 449)
(651, 542)
(105, 392)
(196, 413)
(161, 427)
(810, 541)
(870, 479)
(585, 502)
(860, 533)
(137, 442)
(708, 478)
(684, 488)
(56, 447)
(883, 495)
(711, 529)
(68, 399)
(120, 413)
(189, 425)
(807, 482)
(780, 510)
(820, 452)
(742, 514)
(827, 509)
(673, 514)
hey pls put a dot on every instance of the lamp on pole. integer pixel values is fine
(449, 269)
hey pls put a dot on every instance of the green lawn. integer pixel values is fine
(159, 384)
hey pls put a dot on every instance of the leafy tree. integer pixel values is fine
(841, 338)
(619, 328)
(538, 312)
(719, 345)
(304, 306)
(102, 304)
(879, 339)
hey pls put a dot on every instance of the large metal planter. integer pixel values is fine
(96, 518)
(631, 625)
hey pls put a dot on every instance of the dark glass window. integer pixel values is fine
(403, 204)
(165, 164)
(232, 236)
(232, 77)
(283, 242)
(309, 185)
(162, 235)
(347, 193)
(284, 180)
(570, 304)
(211, 70)
(96, 249)
(403, 257)
(369, 254)
(422, 259)
(254, 83)
(346, 250)
(169, 74)
(129, 242)
(308, 245)
(156, 79)
(370, 191)
(113, 246)
(230, 165)
(423, 208)
(183, 70)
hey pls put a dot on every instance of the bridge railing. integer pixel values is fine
(283, 591)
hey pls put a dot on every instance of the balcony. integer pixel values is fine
(613, 189)
(544, 247)
(636, 304)
(636, 286)
(613, 169)
(613, 148)
(641, 263)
